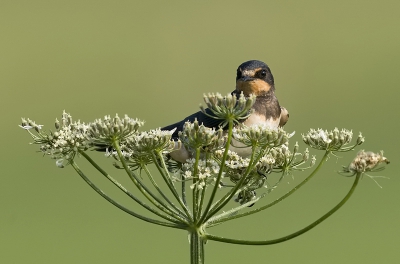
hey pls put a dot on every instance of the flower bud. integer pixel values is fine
(306, 155)
(360, 139)
(24, 122)
(296, 147)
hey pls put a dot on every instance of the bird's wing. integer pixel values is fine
(202, 118)
(284, 116)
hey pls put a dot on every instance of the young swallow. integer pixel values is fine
(252, 77)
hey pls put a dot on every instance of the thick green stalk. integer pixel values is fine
(196, 248)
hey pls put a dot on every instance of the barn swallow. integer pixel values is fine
(252, 77)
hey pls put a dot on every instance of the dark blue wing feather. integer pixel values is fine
(201, 118)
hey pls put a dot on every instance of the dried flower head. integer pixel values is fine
(366, 161)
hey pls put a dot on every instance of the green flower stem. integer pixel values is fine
(122, 188)
(160, 191)
(196, 248)
(203, 191)
(324, 158)
(145, 191)
(295, 234)
(167, 178)
(213, 221)
(175, 224)
(201, 201)
(227, 197)
(183, 191)
(221, 169)
(195, 190)
(346, 149)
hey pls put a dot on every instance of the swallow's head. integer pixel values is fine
(254, 77)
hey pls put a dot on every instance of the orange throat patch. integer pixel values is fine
(256, 87)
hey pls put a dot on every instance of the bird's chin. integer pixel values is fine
(255, 86)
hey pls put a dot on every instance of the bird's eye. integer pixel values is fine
(263, 73)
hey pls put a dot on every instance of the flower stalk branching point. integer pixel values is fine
(229, 173)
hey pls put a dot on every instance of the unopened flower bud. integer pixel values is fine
(360, 139)
(313, 160)
(306, 155)
(24, 122)
(296, 147)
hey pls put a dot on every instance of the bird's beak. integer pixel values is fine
(245, 79)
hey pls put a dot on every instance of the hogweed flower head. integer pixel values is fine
(334, 141)
(108, 130)
(64, 142)
(155, 140)
(195, 136)
(260, 135)
(235, 164)
(286, 160)
(229, 107)
(366, 161)
(207, 171)
(138, 149)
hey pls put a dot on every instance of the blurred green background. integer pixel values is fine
(335, 63)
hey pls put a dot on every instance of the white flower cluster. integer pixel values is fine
(64, 142)
(233, 107)
(207, 171)
(70, 137)
(195, 135)
(260, 135)
(149, 141)
(286, 160)
(331, 140)
(105, 131)
(138, 149)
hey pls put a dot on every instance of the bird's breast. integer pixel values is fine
(254, 119)
(260, 119)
